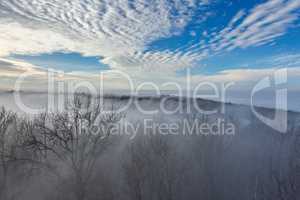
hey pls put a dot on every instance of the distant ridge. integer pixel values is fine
(145, 97)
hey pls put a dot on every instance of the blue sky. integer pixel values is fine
(65, 61)
(158, 38)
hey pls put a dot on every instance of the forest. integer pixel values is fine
(66, 156)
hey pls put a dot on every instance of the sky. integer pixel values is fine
(155, 41)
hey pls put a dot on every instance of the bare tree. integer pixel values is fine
(6, 149)
(153, 168)
(75, 138)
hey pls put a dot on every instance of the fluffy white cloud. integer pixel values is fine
(119, 30)
(242, 79)
(13, 68)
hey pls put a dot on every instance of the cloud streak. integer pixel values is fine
(262, 25)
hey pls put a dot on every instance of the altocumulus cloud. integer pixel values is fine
(260, 25)
(120, 31)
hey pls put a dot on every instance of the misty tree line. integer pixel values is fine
(51, 156)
